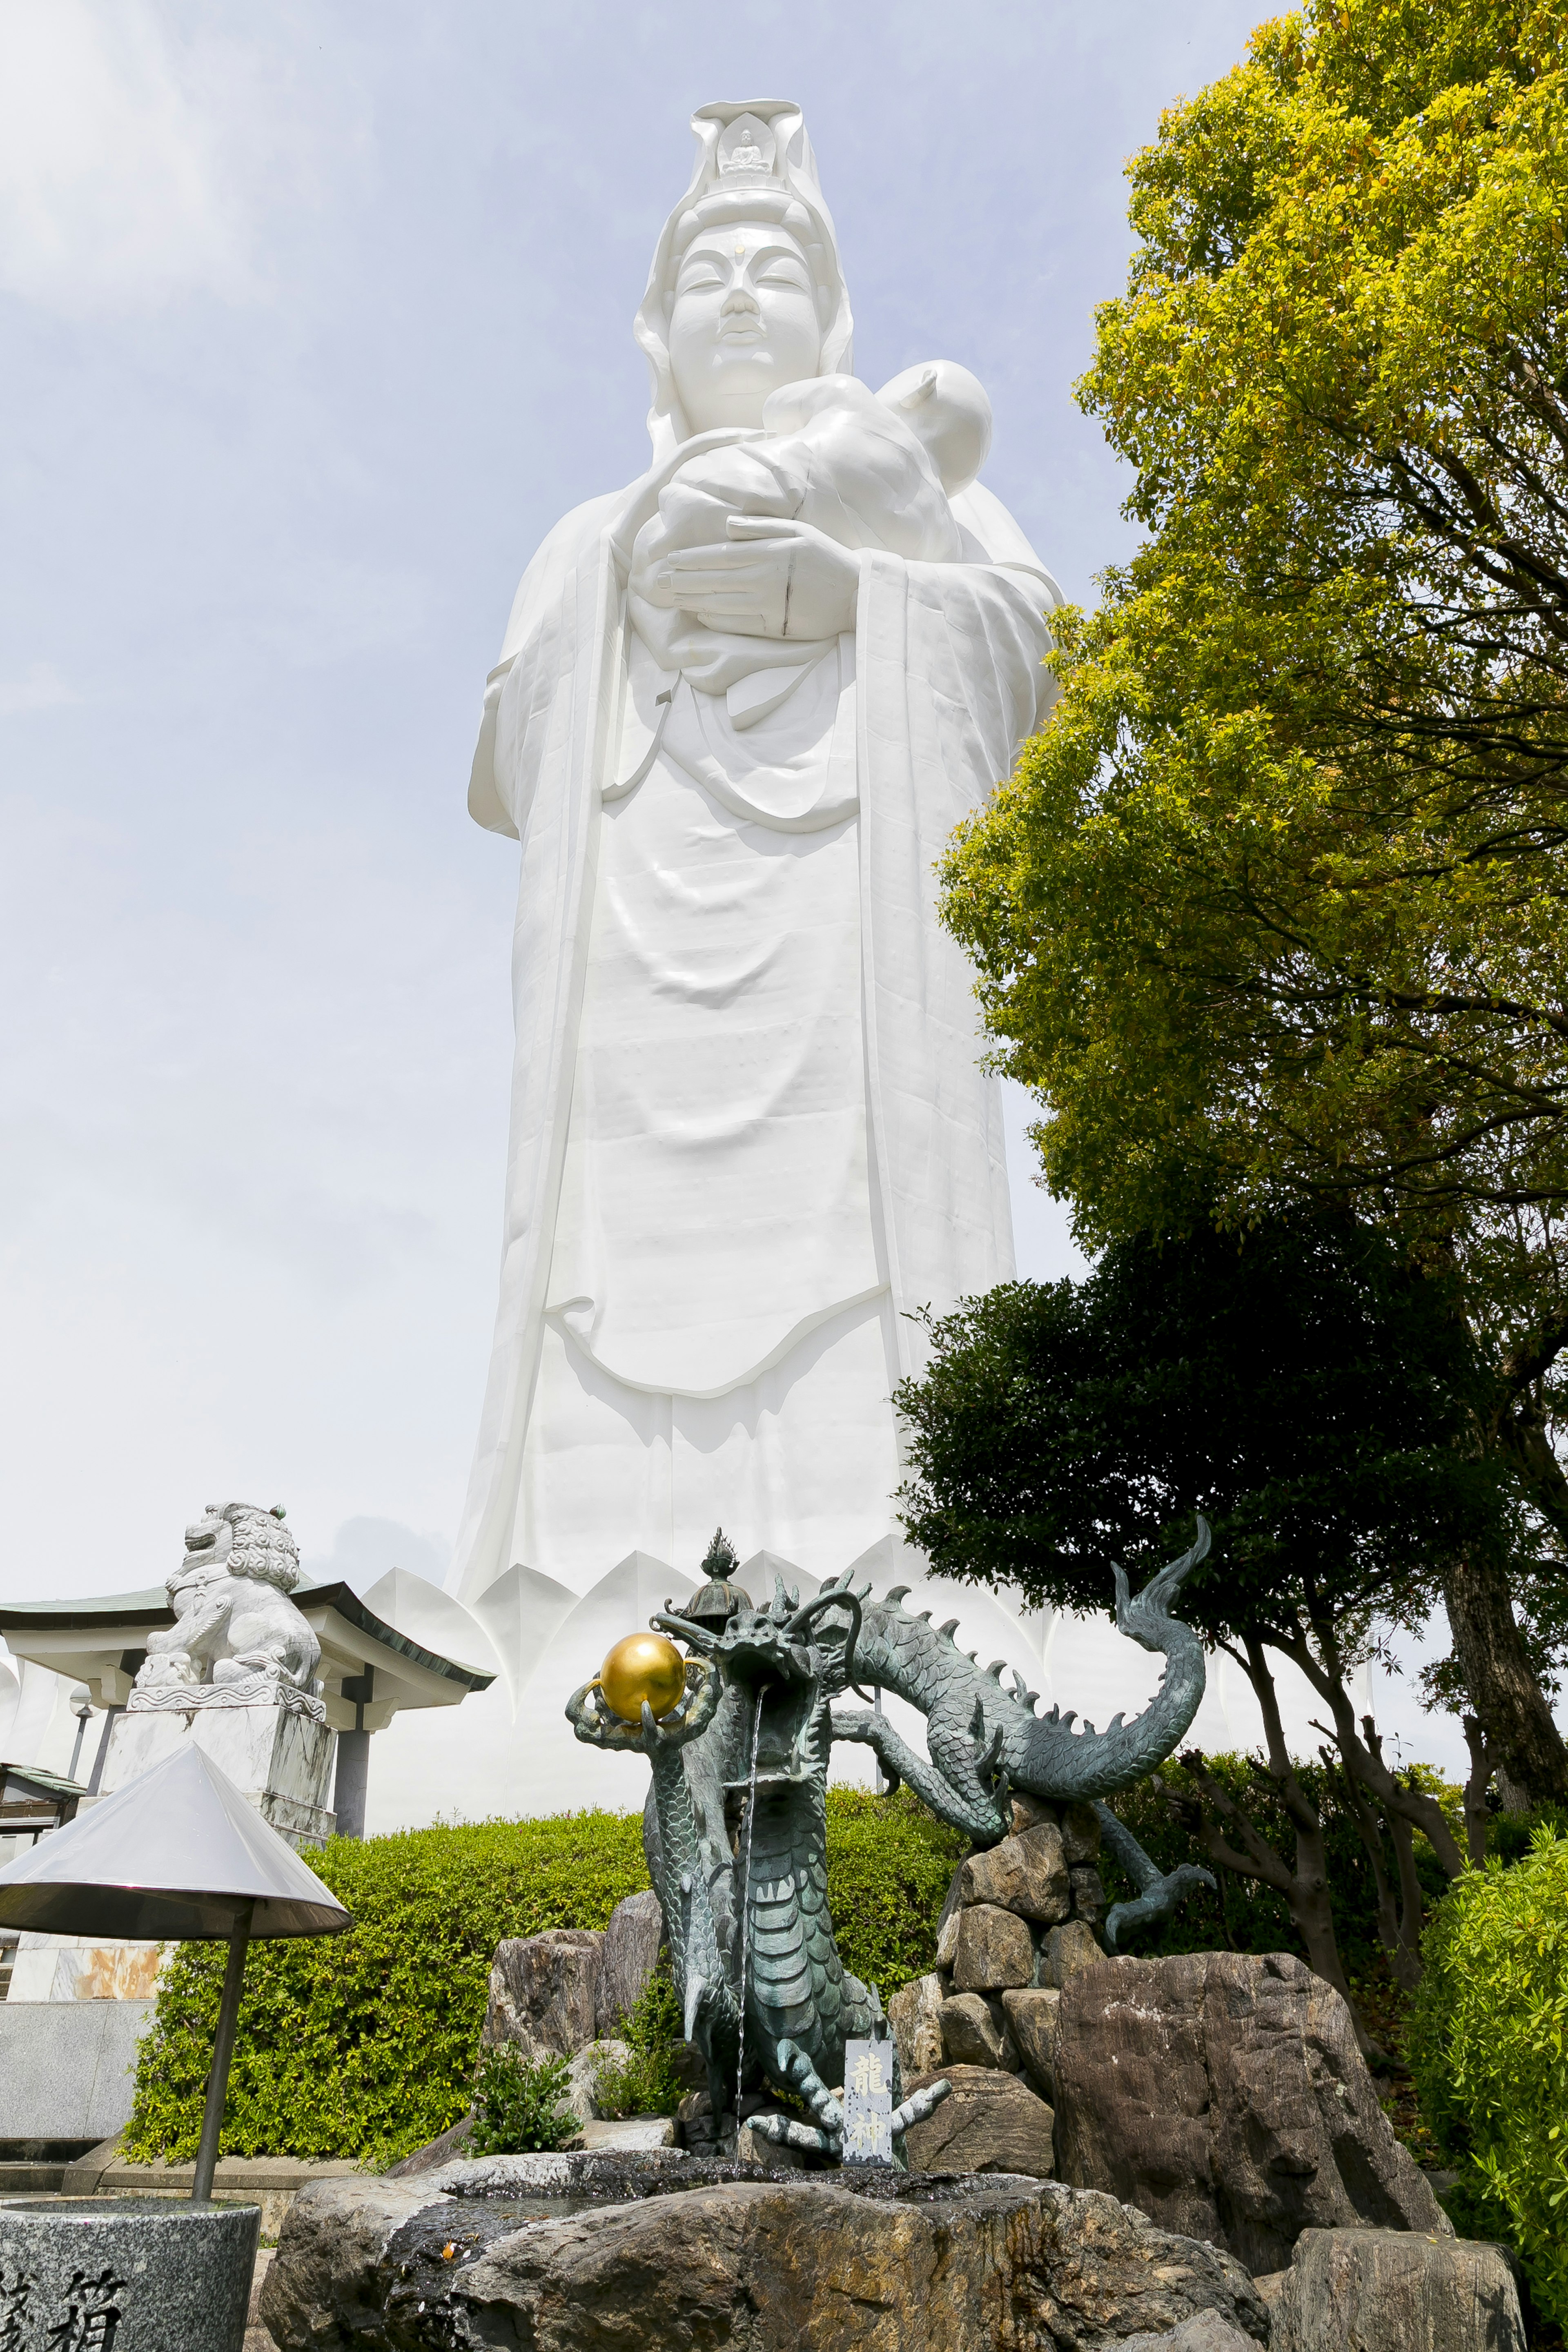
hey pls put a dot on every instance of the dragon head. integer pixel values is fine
(786, 1662)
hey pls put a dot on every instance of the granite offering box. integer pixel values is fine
(176, 1853)
(139, 2274)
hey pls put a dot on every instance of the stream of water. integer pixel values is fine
(746, 1899)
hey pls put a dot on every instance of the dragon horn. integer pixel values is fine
(829, 1599)
(667, 1622)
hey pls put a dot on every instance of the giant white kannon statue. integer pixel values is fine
(741, 704)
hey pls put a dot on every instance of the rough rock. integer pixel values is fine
(435, 2152)
(631, 2131)
(993, 1948)
(335, 2265)
(543, 1992)
(1080, 1834)
(689, 2065)
(914, 2012)
(1207, 2332)
(696, 2129)
(947, 1920)
(626, 1958)
(610, 2174)
(1067, 1951)
(1224, 2094)
(1028, 1811)
(832, 2261)
(1034, 2020)
(1027, 1874)
(752, 2147)
(582, 2078)
(1381, 2290)
(988, 2123)
(1270, 2285)
(1088, 1893)
(973, 2034)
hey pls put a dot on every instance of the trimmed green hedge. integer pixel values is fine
(363, 2044)
(1490, 2052)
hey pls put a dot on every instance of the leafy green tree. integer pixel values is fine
(1300, 1386)
(1275, 905)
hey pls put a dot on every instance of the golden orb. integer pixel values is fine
(643, 1667)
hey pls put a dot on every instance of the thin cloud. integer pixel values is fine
(139, 163)
(41, 688)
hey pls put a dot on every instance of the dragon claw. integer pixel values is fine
(596, 1727)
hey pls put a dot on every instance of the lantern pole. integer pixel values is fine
(223, 2050)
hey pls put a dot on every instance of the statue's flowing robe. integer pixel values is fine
(770, 889)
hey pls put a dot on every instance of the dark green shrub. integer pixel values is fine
(517, 2105)
(363, 2044)
(1488, 2046)
(890, 1863)
(645, 2083)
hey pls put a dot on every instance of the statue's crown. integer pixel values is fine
(747, 153)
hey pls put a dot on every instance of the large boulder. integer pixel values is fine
(1222, 2093)
(975, 2033)
(1381, 2290)
(914, 2013)
(582, 2093)
(995, 1948)
(1067, 1952)
(544, 1993)
(1080, 1834)
(828, 2262)
(1035, 2019)
(989, 2121)
(1026, 1874)
(1205, 2332)
(627, 1958)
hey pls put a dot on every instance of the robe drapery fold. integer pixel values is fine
(947, 683)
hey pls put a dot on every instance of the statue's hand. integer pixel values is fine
(769, 579)
(594, 1724)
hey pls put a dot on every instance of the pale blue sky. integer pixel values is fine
(315, 319)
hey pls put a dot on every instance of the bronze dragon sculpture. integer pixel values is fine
(735, 1827)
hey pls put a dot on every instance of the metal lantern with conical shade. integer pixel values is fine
(176, 1853)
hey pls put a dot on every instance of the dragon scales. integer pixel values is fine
(735, 1826)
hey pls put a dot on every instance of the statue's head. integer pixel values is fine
(243, 1540)
(745, 293)
(787, 1661)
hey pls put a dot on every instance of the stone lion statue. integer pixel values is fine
(237, 1639)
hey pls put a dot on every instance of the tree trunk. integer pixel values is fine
(1528, 1755)
(1476, 1788)
(1362, 1752)
(1391, 1925)
(1304, 1883)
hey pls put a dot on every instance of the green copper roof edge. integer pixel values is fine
(41, 1779)
(113, 1609)
(152, 1608)
(351, 1609)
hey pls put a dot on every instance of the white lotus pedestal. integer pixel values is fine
(278, 1754)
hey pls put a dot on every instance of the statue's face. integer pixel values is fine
(745, 321)
(209, 1538)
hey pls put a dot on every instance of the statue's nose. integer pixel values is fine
(741, 298)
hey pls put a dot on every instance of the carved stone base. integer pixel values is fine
(245, 1690)
(280, 1760)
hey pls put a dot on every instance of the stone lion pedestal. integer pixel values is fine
(277, 1755)
(234, 1675)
